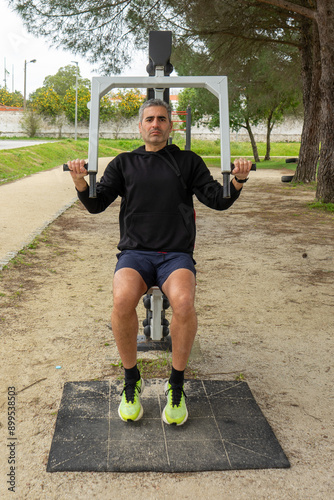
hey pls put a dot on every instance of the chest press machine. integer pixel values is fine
(158, 84)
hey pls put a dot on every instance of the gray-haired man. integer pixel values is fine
(156, 183)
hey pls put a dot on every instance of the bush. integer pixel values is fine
(30, 122)
(7, 98)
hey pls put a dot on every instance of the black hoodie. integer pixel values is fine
(157, 189)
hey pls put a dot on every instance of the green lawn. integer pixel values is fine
(17, 163)
(275, 163)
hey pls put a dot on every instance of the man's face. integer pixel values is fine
(155, 128)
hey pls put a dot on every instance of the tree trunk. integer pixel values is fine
(311, 73)
(269, 129)
(325, 20)
(252, 139)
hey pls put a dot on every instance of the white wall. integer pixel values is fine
(289, 130)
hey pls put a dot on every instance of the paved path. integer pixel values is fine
(20, 143)
(29, 205)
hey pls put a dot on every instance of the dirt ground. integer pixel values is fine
(265, 300)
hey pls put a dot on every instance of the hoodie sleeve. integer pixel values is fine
(111, 186)
(209, 191)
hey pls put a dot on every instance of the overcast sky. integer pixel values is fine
(17, 45)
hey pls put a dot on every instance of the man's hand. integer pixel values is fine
(241, 170)
(78, 172)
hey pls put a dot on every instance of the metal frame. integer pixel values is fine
(217, 85)
(156, 308)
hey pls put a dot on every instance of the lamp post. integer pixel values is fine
(25, 82)
(76, 101)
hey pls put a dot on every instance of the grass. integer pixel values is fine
(17, 163)
(20, 162)
(320, 205)
(160, 367)
(149, 368)
(212, 148)
(273, 164)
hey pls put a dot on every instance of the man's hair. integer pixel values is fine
(155, 102)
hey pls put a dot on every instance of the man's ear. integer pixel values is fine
(140, 127)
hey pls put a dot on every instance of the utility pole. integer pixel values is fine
(25, 83)
(6, 72)
(76, 101)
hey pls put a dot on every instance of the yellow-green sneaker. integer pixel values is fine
(175, 411)
(130, 407)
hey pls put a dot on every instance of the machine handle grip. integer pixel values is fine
(66, 169)
(226, 181)
(253, 167)
(92, 179)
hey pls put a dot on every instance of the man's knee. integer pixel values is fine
(122, 304)
(183, 304)
(125, 300)
(128, 287)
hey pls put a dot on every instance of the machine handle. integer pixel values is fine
(66, 169)
(253, 167)
(92, 179)
(226, 181)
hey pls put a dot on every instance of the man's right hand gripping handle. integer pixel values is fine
(78, 170)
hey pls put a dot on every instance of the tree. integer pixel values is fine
(204, 106)
(105, 32)
(128, 102)
(267, 81)
(49, 102)
(46, 102)
(98, 30)
(69, 104)
(256, 94)
(308, 26)
(122, 106)
(223, 35)
(65, 79)
(7, 98)
(311, 73)
(320, 43)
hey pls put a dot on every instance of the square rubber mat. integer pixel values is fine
(225, 430)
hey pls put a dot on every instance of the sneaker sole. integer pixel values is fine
(173, 423)
(141, 407)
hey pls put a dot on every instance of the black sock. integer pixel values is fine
(132, 373)
(176, 377)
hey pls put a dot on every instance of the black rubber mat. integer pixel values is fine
(225, 430)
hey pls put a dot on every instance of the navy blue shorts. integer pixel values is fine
(155, 267)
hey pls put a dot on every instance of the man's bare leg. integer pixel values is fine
(128, 288)
(180, 289)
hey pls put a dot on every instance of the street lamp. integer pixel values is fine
(25, 82)
(76, 101)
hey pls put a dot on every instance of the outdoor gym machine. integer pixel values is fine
(158, 84)
(217, 85)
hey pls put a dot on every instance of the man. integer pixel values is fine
(156, 183)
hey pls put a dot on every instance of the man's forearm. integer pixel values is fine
(81, 185)
(237, 185)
